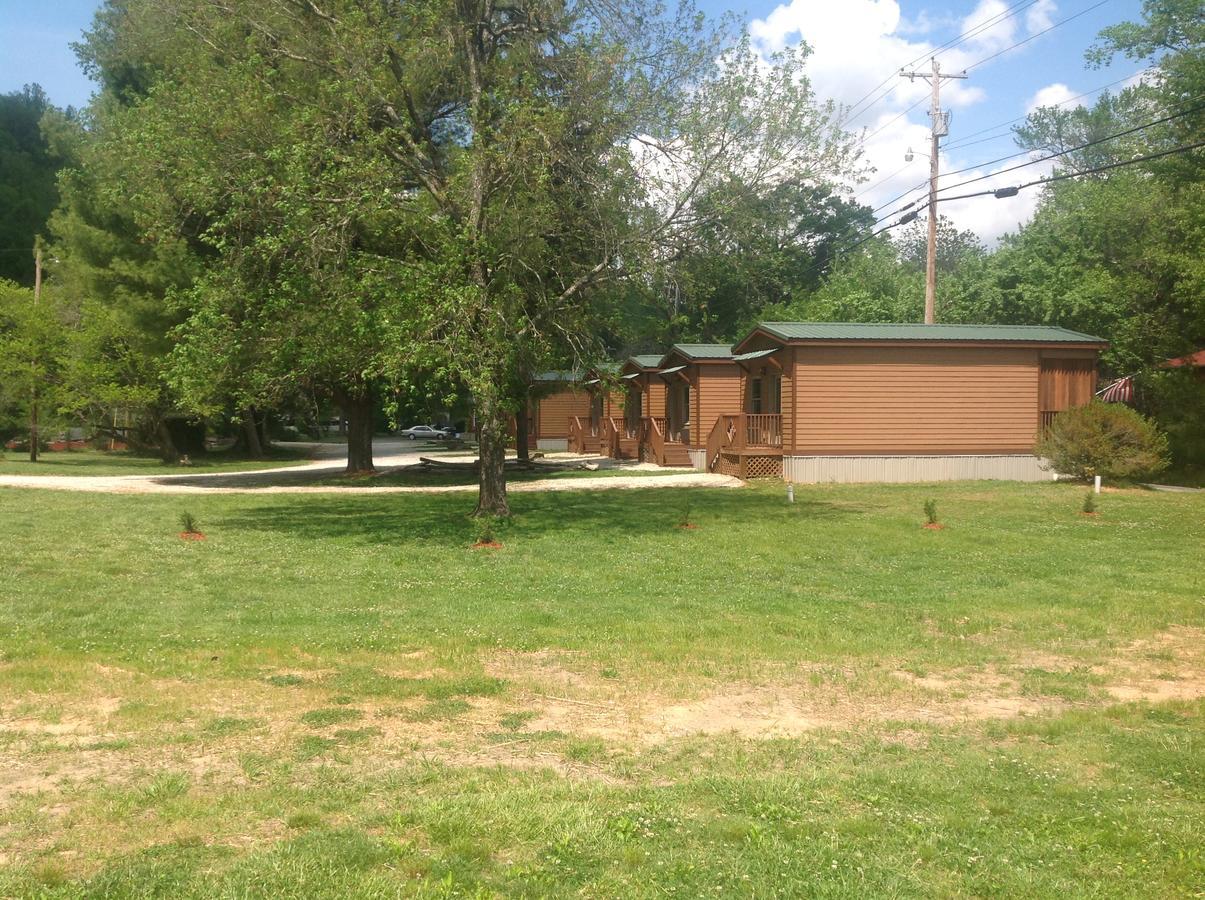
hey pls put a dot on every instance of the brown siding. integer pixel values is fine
(553, 412)
(613, 404)
(1066, 383)
(654, 397)
(716, 391)
(923, 399)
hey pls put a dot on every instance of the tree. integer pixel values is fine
(32, 343)
(464, 178)
(118, 284)
(758, 246)
(27, 180)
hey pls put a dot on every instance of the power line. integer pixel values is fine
(966, 142)
(885, 178)
(1082, 12)
(1005, 192)
(980, 62)
(1068, 150)
(937, 51)
(1023, 165)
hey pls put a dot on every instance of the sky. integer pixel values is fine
(856, 45)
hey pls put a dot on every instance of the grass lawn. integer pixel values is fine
(101, 462)
(334, 696)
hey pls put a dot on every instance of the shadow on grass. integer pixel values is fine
(444, 518)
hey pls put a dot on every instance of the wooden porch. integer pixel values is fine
(747, 445)
(621, 439)
(662, 443)
(585, 434)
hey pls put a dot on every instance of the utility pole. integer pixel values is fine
(940, 127)
(33, 405)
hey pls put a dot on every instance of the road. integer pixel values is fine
(330, 461)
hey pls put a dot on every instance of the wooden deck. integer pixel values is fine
(747, 445)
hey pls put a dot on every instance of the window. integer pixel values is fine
(755, 395)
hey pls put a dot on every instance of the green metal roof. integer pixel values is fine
(560, 375)
(646, 360)
(849, 331)
(703, 351)
(756, 354)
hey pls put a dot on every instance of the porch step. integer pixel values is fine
(676, 455)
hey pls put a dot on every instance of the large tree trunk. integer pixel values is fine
(491, 499)
(254, 448)
(522, 438)
(167, 445)
(359, 409)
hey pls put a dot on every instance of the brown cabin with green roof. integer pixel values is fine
(700, 381)
(641, 395)
(825, 401)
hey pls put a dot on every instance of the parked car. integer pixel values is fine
(424, 432)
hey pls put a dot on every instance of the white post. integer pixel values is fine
(790, 492)
(1096, 484)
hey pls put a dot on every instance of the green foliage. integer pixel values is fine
(1106, 439)
(1175, 399)
(28, 166)
(684, 512)
(1089, 505)
(373, 202)
(189, 524)
(931, 511)
(33, 341)
(483, 526)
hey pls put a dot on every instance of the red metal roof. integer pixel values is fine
(1196, 360)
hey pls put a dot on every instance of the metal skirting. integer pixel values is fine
(698, 459)
(844, 469)
(556, 445)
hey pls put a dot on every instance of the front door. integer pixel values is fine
(679, 412)
(596, 410)
(633, 409)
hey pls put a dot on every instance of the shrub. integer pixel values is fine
(188, 523)
(1106, 439)
(684, 518)
(485, 529)
(1090, 502)
(931, 512)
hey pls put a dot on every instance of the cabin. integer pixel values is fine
(699, 381)
(824, 401)
(556, 399)
(641, 394)
(592, 430)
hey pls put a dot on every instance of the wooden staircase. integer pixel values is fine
(657, 446)
(584, 437)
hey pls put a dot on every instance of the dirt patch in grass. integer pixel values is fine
(1170, 666)
(552, 703)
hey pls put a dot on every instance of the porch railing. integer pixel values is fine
(577, 435)
(654, 437)
(742, 431)
(763, 429)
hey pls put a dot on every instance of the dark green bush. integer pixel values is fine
(1106, 439)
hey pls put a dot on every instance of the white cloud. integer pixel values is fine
(998, 34)
(1040, 16)
(1055, 94)
(858, 44)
